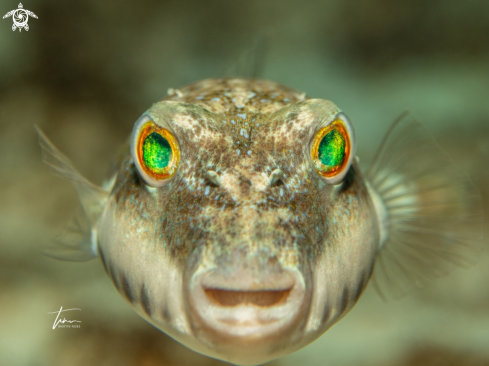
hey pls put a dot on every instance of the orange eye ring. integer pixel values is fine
(154, 140)
(331, 149)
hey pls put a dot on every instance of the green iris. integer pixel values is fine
(157, 152)
(331, 151)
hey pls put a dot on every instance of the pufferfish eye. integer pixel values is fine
(331, 150)
(155, 152)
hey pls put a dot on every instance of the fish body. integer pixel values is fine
(240, 223)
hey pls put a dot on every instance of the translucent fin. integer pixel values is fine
(251, 61)
(432, 213)
(75, 242)
(92, 198)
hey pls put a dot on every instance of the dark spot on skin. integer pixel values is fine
(101, 254)
(345, 297)
(135, 176)
(349, 180)
(126, 289)
(361, 286)
(165, 313)
(143, 295)
(113, 274)
(326, 315)
(370, 272)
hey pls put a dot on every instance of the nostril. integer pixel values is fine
(262, 298)
(213, 178)
(275, 178)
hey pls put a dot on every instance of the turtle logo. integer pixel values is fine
(20, 17)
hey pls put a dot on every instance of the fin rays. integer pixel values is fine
(434, 212)
(75, 242)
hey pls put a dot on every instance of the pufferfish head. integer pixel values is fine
(239, 224)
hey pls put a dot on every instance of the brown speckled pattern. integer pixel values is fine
(243, 140)
(243, 130)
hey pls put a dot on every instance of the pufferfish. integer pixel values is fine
(240, 223)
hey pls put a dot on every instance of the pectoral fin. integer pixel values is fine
(78, 241)
(431, 217)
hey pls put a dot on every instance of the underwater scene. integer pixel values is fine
(211, 183)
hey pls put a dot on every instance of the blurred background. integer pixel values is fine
(86, 70)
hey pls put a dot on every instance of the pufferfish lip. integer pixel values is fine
(243, 305)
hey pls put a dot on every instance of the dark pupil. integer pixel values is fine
(157, 152)
(331, 151)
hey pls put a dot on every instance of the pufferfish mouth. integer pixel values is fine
(264, 298)
(245, 305)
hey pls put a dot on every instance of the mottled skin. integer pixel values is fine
(155, 242)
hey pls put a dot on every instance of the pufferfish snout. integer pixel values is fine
(250, 296)
(248, 279)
